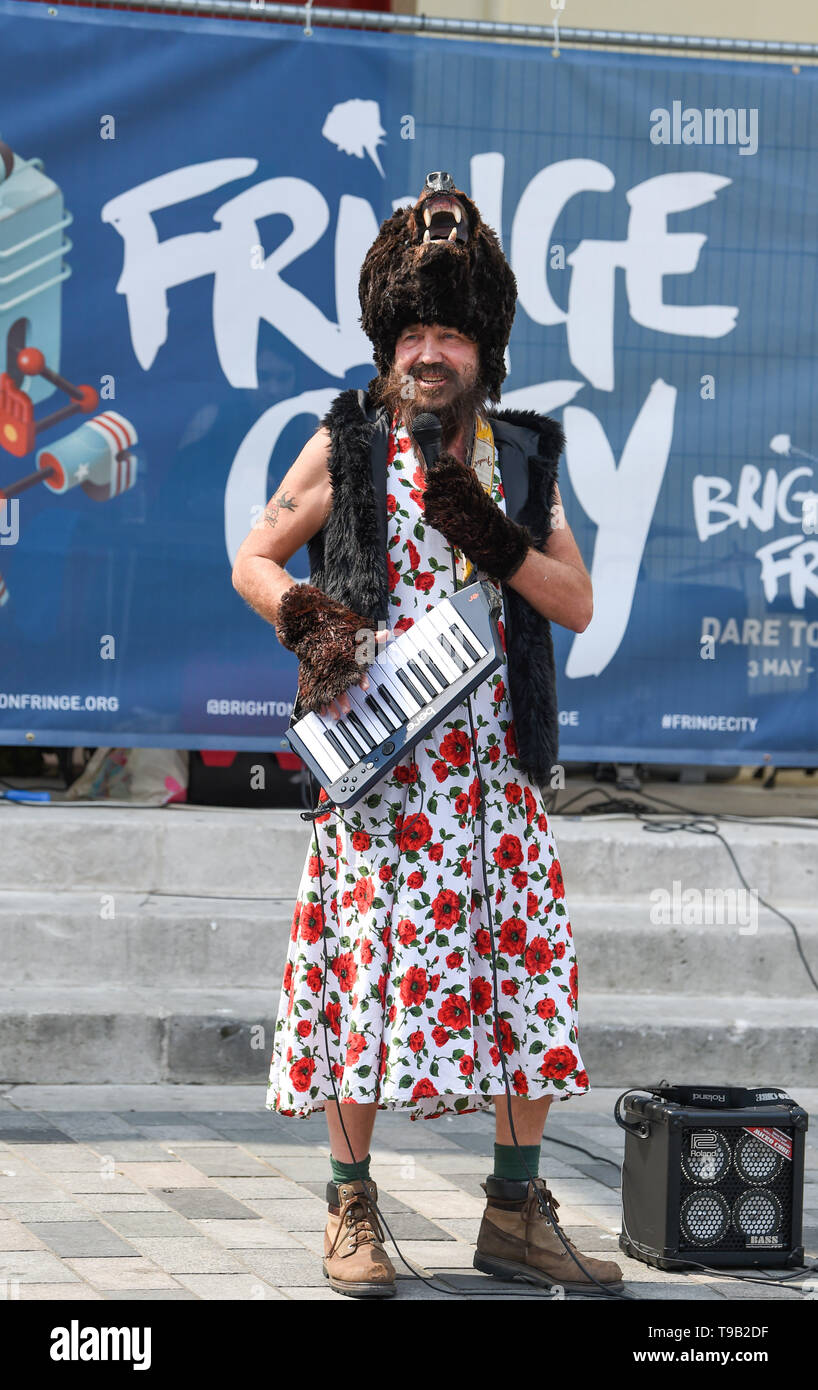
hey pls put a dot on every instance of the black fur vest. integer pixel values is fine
(348, 556)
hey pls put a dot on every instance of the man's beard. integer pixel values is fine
(464, 396)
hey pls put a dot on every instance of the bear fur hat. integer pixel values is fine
(438, 262)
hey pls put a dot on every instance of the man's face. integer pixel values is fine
(442, 363)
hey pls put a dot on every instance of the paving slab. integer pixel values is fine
(243, 1287)
(134, 1273)
(80, 1238)
(205, 1201)
(15, 1236)
(257, 1234)
(187, 1255)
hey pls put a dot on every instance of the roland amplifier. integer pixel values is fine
(712, 1175)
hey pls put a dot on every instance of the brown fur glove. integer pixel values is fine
(324, 635)
(457, 505)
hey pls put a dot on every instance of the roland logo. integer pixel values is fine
(420, 718)
(709, 1095)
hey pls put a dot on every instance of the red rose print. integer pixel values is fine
(392, 573)
(406, 775)
(402, 624)
(312, 922)
(494, 753)
(414, 554)
(361, 840)
(509, 987)
(415, 880)
(499, 692)
(440, 1036)
(546, 1008)
(385, 873)
(304, 1028)
(407, 932)
(333, 1013)
(481, 996)
(424, 1088)
(511, 740)
(581, 1080)
(495, 1055)
(295, 922)
(381, 989)
(455, 748)
(416, 1041)
(572, 979)
(509, 852)
(392, 1015)
(555, 879)
(346, 899)
(482, 942)
(366, 953)
(347, 971)
(466, 867)
(533, 904)
(415, 833)
(539, 957)
(513, 933)
(435, 853)
(454, 1012)
(454, 960)
(530, 804)
(355, 1046)
(461, 803)
(513, 793)
(434, 983)
(414, 986)
(312, 867)
(519, 878)
(502, 631)
(558, 1062)
(506, 1036)
(287, 982)
(363, 893)
(314, 978)
(474, 794)
(424, 582)
(542, 822)
(559, 949)
(391, 502)
(467, 1065)
(301, 1073)
(446, 909)
(520, 1082)
(440, 769)
(533, 853)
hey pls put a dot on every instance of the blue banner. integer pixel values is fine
(184, 208)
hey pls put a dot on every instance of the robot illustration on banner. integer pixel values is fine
(99, 456)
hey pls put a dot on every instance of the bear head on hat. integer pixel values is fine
(437, 262)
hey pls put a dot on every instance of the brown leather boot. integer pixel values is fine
(355, 1261)
(517, 1242)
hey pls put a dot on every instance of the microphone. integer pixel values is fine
(427, 432)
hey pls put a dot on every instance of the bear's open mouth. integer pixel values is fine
(442, 218)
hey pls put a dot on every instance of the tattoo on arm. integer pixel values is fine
(280, 500)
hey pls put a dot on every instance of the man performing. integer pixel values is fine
(392, 893)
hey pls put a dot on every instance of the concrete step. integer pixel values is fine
(94, 1035)
(260, 854)
(121, 939)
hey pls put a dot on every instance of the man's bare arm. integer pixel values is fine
(555, 582)
(295, 513)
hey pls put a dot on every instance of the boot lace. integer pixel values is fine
(359, 1223)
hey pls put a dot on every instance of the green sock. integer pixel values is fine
(348, 1172)
(511, 1162)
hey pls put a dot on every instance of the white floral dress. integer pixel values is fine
(408, 998)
